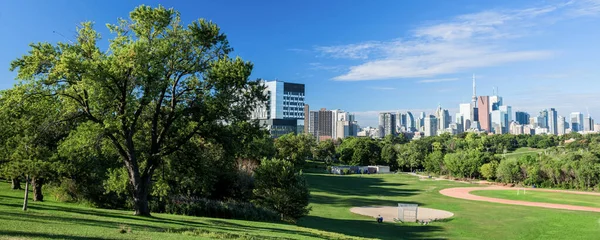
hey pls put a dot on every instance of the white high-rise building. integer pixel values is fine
(561, 125)
(431, 124)
(387, 124)
(285, 101)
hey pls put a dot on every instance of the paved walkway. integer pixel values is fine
(464, 193)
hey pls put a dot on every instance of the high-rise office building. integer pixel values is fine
(306, 119)
(325, 128)
(465, 110)
(588, 124)
(552, 121)
(431, 124)
(336, 115)
(543, 119)
(443, 118)
(495, 103)
(483, 103)
(561, 126)
(522, 117)
(387, 124)
(506, 117)
(576, 122)
(285, 101)
(410, 122)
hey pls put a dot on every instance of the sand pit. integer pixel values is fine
(389, 213)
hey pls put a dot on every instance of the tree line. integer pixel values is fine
(160, 115)
(568, 161)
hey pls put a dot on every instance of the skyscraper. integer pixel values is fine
(387, 124)
(484, 112)
(561, 126)
(576, 122)
(588, 123)
(495, 102)
(543, 119)
(410, 122)
(285, 101)
(430, 123)
(443, 118)
(522, 117)
(336, 115)
(552, 121)
(306, 118)
(465, 110)
(313, 124)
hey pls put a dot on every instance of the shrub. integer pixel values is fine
(346, 171)
(203, 207)
(329, 169)
(281, 187)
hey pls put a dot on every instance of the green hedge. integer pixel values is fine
(193, 206)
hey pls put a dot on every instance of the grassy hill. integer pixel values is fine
(332, 196)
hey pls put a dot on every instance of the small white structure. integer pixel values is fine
(381, 169)
(408, 212)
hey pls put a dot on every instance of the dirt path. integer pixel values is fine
(389, 213)
(464, 193)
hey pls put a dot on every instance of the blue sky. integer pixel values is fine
(372, 56)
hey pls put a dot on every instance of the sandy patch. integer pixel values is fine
(465, 193)
(389, 213)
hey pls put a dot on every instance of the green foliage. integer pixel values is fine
(202, 207)
(158, 84)
(488, 170)
(464, 163)
(508, 171)
(280, 187)
(434, 163)
(295, 148)
(324, 151)
(389, 155)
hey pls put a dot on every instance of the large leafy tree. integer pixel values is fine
(295, 148)
(281, 187)
(32, 127)
(158, 84)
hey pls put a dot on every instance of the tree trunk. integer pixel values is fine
(26, 194)
(37, 184)
(16, 184)
(140, 195)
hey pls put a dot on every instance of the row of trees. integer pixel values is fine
(569, 161)
(163, 112)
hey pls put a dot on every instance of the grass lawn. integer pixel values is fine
(547, 197)
(330, 218)
(522, 151)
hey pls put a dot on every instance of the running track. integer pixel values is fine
(464, 193)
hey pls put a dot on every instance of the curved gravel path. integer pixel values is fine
(464, 193)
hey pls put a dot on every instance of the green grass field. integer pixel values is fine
(332, 196)
(546, 197)
(522, 151)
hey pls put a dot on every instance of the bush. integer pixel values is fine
(202, 207)
(281, 188)
(329, 169)
(346, 171)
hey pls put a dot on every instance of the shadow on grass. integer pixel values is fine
(371, 229)
(357, 185)
(107, 214)
(17, 234)
(76, 221)
(233, 226)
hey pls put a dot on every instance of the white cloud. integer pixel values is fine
(465, 42)
(437, 80)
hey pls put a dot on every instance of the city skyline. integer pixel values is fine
(539, 55)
